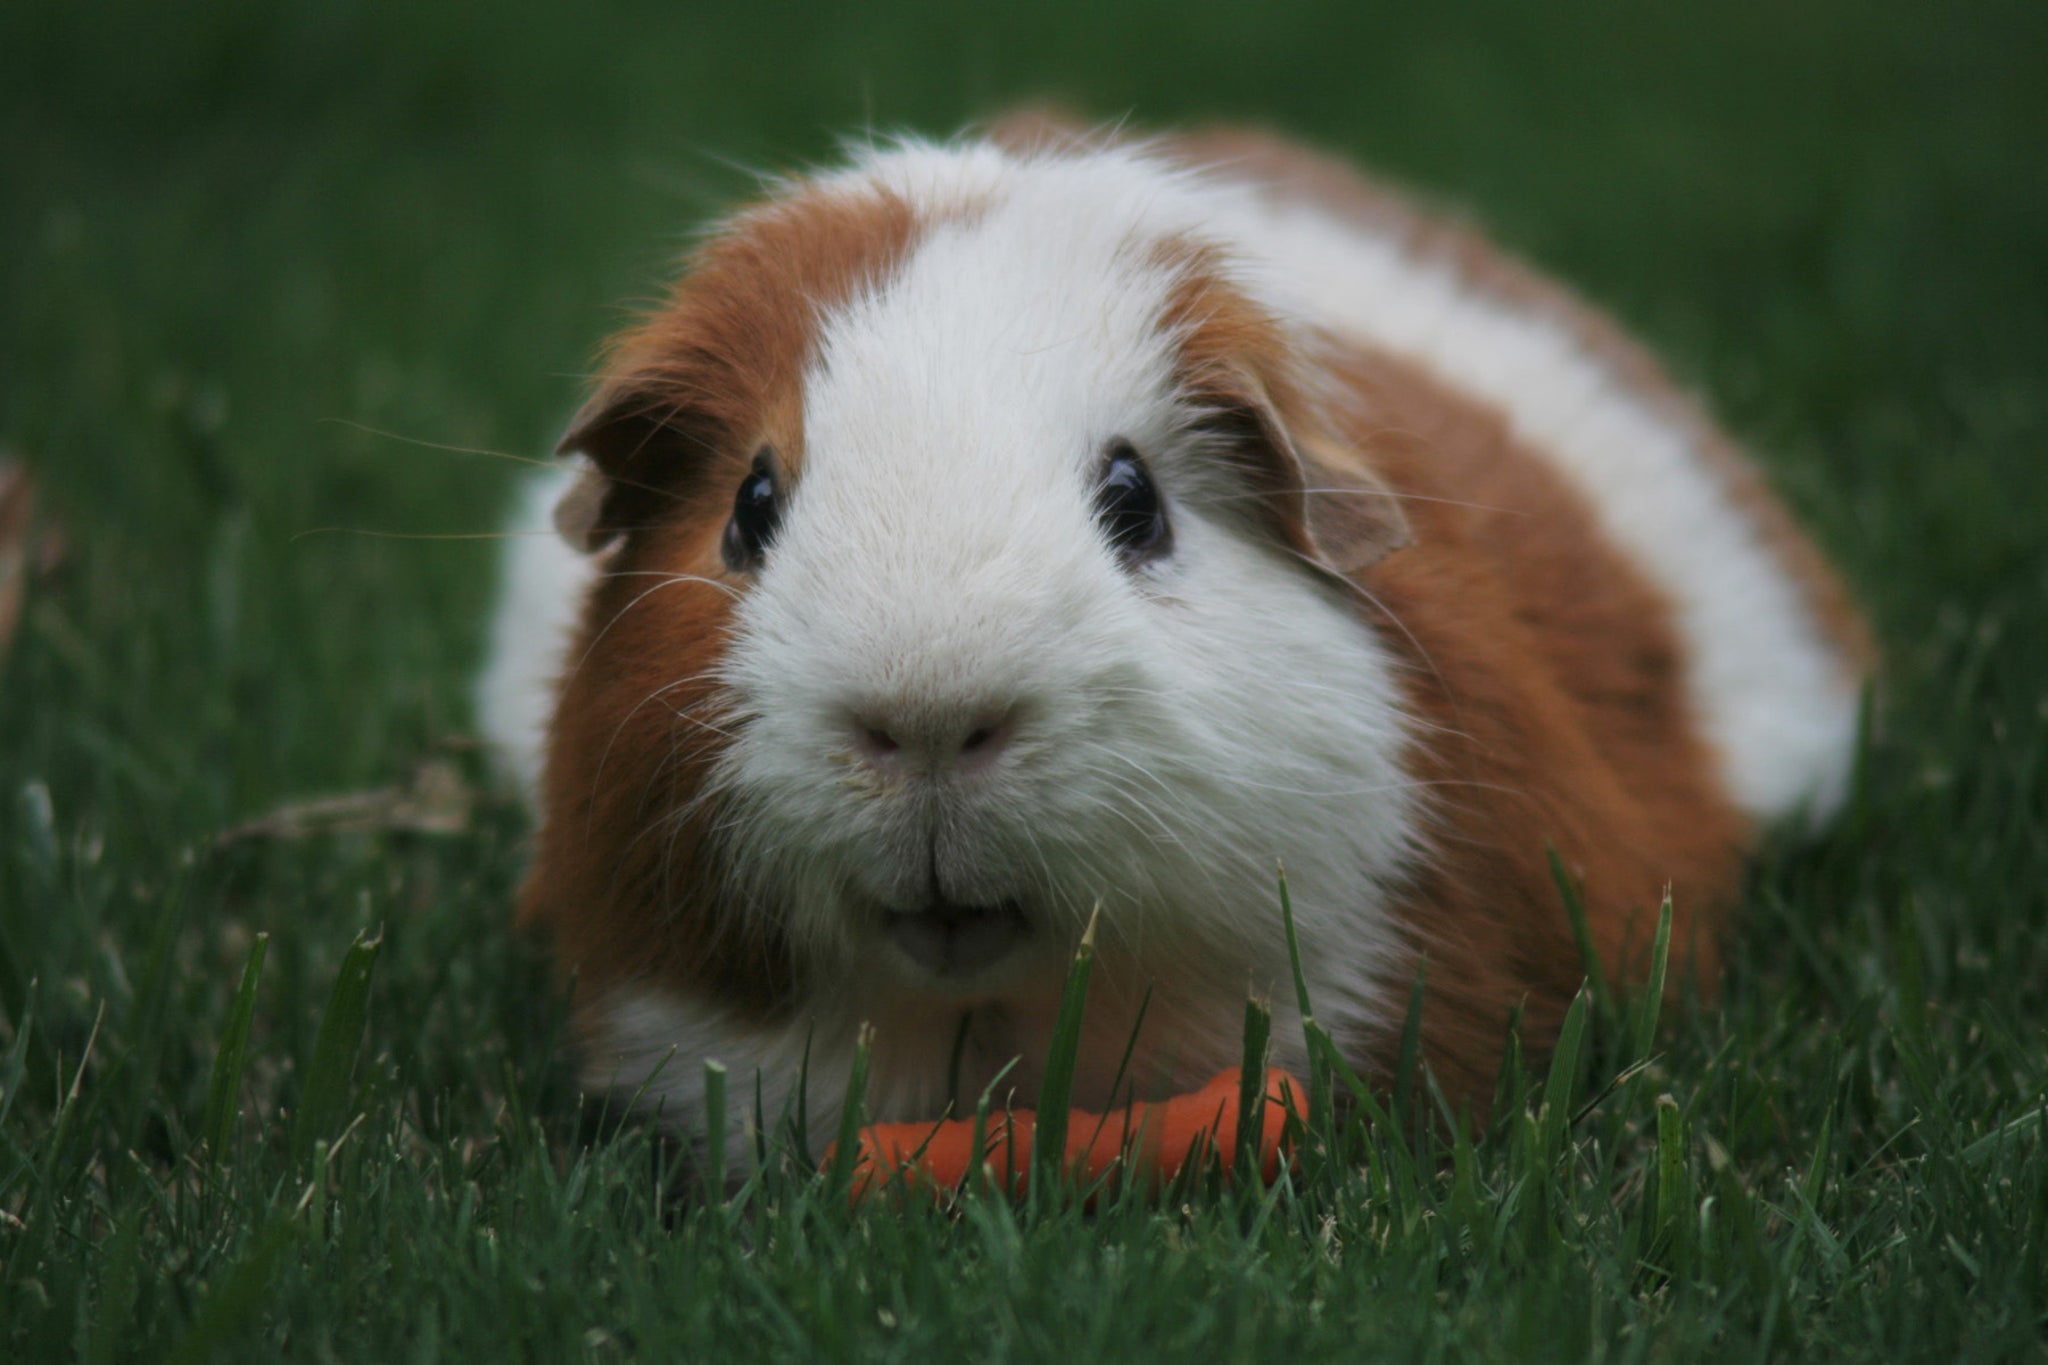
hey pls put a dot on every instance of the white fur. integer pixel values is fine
(544, 582)
(1182, 728)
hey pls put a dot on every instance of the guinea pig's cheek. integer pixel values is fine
(798, 843)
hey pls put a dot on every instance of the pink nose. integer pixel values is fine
(934, 740)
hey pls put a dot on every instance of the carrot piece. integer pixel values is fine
(1154, 1140)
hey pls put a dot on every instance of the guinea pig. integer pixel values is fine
(991, 534)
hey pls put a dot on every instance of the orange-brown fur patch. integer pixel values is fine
(1547, 676)
(626, 877)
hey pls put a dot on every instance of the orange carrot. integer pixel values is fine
(1154, 1140)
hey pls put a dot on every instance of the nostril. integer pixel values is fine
(874, 742)
(987, 739)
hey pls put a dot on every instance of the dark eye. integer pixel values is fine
(1127, 505)
(756, 511)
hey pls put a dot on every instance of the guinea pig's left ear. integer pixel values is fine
(1354, 520)
(1322, 498)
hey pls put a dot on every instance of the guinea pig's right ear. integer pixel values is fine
(579, 516)
(578, 513)
(629, 443)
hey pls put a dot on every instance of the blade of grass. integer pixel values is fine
(1251, 1084)
(1817, 1169)
(620, 1116)
(801, 1136)
(15, 1067)
(1671, 1193)
(1123, 1062)
(978, 1144)
(1111, 1111)
(1321, 1083)
(1740, 1207)
(67, 1105)
(1651, 1006)
(846, 1151)
(979, 1136)
(714, 1129)
(1293, 948)
(1582, 933)
(1465, 1202)
(1410, 1057)
(224, 1087)
(28, 1058)
(1563, 1078)
(763, 1133)
(1056, 1090)
(2012, 1131)
(1329, 1068)
(329, 1089)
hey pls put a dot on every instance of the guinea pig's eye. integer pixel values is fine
(1127, 506)
(756, 511)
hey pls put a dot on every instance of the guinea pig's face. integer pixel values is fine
(954, 671)
(991, 588)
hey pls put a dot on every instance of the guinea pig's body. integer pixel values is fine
(991, 532)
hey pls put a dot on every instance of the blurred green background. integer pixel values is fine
(259, 263)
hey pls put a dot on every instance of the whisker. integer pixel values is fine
(416, 535)
(537, 461)
(597, 778)
(1261, 495)
(422, 443)
(668, 581)
(728, 589)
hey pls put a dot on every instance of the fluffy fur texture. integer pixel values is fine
(1455, 576)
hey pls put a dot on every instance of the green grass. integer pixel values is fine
(236, 245)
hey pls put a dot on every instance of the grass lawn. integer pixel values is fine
(260, 266)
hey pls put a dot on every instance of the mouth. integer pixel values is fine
(957, 940)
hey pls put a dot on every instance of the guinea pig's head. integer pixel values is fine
(973, 557)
